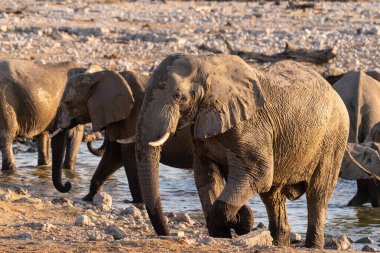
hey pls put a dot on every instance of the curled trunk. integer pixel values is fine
(97, 151)
(58, 150)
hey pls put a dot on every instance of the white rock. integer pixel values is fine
(82, 220)
(259, 237)
(184, 217)
(295, 237)
(178, 233)
(338, 243)
(207, 240)
(103, 201)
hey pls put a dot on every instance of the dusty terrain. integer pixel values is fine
(137, 36)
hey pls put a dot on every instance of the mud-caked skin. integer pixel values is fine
(279, 133)
(112, 101)
(360, 91)
(30, 94)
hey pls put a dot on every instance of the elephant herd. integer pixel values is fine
(278, 132)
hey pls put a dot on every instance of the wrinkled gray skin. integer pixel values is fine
(360, 92)
(278, 133)
(112, 101)
(29, 97)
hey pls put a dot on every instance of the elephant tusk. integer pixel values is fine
(160, 141)
(56, 132)
(127, 140)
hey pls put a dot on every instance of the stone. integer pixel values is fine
(338, 243)
(25, 236)
(116, 232)
(365, 240)
(368, 249)
(207, 240)
(82, 220)
(295, 238)
(260, 225)
(133, 211)
(259, 237)
(178, 233)
(61, 201)
(184, 217)
(103, 201)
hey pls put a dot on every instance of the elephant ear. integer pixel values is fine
(233, 94)
(111, 99)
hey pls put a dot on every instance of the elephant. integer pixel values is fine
(112, 101)
(29, 97)
(278, 133)
(360, 92)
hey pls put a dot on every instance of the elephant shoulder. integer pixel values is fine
(136, 81)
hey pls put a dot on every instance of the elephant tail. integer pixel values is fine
(370, 174)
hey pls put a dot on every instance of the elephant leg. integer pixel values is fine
(129, 160)
(43, 144)
(373, 187)
(110, 162)
(318, 193)
(361, 195)
(7, 153)
(75, 136)
(246, 177)
(209, 183)
(275, 203)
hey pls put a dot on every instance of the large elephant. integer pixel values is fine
(29, 97)
(112, 101)
(360, 92)
(278, 133)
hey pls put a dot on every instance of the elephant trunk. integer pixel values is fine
(148, 158)
(58, 148)
(97, 151)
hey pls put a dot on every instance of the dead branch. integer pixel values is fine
(317, 57)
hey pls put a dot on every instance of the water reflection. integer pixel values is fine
(178, 193)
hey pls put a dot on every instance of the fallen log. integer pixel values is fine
(317, 57)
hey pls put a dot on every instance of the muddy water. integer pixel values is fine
(178, 193)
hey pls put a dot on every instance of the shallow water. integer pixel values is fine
(178, 193)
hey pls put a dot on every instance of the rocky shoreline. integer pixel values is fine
(32, 222)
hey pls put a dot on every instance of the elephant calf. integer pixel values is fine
(112, 101)
(360, 92)
(29, 97)
(278, 133)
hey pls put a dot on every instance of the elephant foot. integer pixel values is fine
(358, 200)
(221, 220)
(282, 240)
(88, 197)
(245, 220)
(8, 167)
(44, 166)
(68, 166)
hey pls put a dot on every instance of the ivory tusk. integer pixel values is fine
(127, 140)
(160, 141)
(56, 132)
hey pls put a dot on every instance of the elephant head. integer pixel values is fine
(102, 97)
(211, 93)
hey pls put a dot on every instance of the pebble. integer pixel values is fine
(82, 220)
(25, 236)
(103, 201)
(133, 211)
(116, 232)
(295, 237)
(338, 243)
(207, 240)
(364, 240)
(184, 217)
(368, 249)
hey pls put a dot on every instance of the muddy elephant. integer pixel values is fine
(112, 101)
(260, 132)
(360, 92)
(29, 97)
